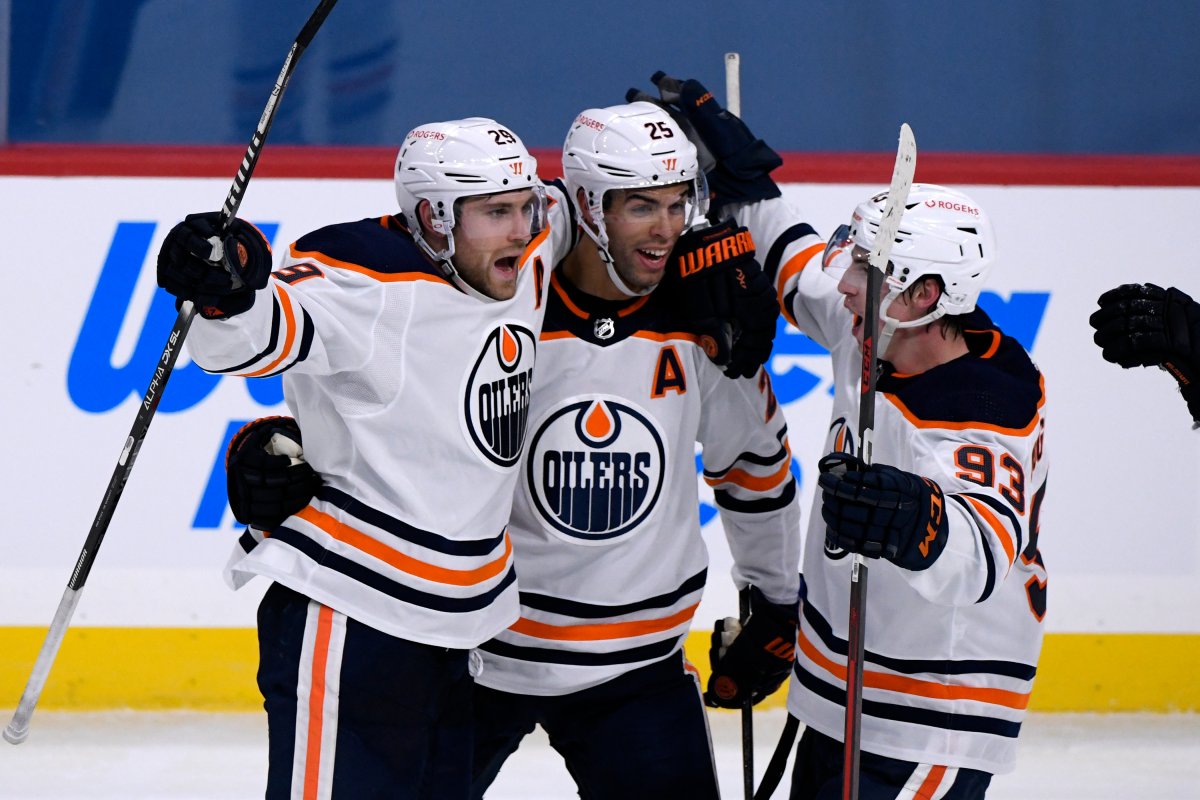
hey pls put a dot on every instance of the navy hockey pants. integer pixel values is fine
(640, 735)
(817, 775)
(354, 713)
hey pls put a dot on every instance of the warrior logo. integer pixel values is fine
(595, 469)
(496, 396)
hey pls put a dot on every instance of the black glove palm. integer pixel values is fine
(725, 296)
(743, 161)
(223, 287)
(878, 510)
(1143, 325)
(758, 659)
(268, 481)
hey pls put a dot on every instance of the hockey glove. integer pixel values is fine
(878, 510)
(1143, 325)
(220, 279)
(750, 662)
(743, 162)
(267, 477)
(725, 297)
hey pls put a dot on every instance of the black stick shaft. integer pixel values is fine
(18, 727)
(747, 711)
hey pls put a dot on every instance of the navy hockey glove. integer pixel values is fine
(725, 296)
(878, 510)
(220, 284)
(750, 662)
(744, 163)
(266, 476)
(1143, 325)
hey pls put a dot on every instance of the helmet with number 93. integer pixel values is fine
(943, 233)
(444, 162)
(630, 146)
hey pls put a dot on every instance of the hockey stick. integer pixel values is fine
(733, 102)
(18, 727)
(885, 238)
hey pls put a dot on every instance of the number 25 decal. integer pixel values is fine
(659, 130)
(977, 464)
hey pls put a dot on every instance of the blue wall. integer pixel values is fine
(1019, 76)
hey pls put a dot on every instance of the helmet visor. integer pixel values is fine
(839, 253)
(503, 216)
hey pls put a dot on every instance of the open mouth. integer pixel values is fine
(506, 266)
(653, 258)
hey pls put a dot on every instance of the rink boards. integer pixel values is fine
(156, 628)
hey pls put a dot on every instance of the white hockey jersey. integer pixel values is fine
(414, 400)
(605, 525)
(951, 651)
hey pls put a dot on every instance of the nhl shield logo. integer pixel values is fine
(496, 396)
(595, 469)
(604, 328)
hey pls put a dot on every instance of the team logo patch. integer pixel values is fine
(496, 396)
(595, 469)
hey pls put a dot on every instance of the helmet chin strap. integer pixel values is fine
(444, 260)
(891, 324)
(610, 268)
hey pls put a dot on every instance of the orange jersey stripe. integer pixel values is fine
(532, 246)
(316, 703)
(968, 425)
(562, 294)
(931, 783)
(755, 483)
(996, 525)
(383, 277)
(430, 572)
(632, 307)
(603, 630)
(552, 335)
(667, 337)
(289, 324)
(794, 266)
(915, 686)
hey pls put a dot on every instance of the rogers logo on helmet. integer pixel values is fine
(589, 122)
(427, 135)
(953, 207)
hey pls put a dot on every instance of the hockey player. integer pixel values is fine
(604, 525)
(949, 508)
(1143, 325)
(407, 345)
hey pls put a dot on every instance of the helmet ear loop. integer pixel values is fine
(891, 324)
(442, 227)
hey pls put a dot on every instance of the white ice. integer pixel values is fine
(194, 756)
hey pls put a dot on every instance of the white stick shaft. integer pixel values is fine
(18, 728)
(733, 83)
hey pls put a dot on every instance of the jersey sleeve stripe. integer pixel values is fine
(575, 608)
(418, 536)
(758, 506)
(289, 327)
(752, 458)
(270, 348)
(604, 630)
(998, 528)
(901, 684)
(753, 483)
(323, 558)
(989, 583)
(401, 561)
(795, 266)
(775, 252)
(306, 340)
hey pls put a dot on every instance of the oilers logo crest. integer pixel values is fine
(595, 469)
(496, 395)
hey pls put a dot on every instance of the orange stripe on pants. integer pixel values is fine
(316, 703)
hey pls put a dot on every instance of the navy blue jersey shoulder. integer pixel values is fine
(606, 322)
(996, 383)
(380, 244)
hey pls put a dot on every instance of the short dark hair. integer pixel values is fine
(952, 325)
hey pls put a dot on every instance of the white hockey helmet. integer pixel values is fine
(631, 146)
(443, 162)
(943, 233)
